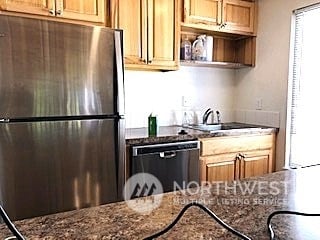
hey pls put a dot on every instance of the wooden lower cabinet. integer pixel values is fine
(255, 163)
(218, 168)
(233, 158)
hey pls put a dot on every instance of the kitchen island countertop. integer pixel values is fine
(244, 205)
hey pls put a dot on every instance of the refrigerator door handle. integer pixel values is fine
(120, 77)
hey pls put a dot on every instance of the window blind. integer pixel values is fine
(300, 153)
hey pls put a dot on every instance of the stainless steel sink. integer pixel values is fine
(222, 126)
(207, 127)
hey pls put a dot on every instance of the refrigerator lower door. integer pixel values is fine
(49, 167)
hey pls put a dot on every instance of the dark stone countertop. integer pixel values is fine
(244, 206)
(136, 136)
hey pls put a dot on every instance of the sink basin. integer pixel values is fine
(207, 127)
(222, 126)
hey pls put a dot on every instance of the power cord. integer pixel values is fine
(271, 232)
(18, 235)
(10, 225)
(205, 209)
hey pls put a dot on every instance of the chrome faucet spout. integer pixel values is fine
(206, 115)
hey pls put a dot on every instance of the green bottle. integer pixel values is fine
(152, 125)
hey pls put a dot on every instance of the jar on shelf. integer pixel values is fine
(185, 49)
(199, 51)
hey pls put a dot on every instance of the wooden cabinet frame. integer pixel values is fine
(233, 158)
(232, 16)
(232, 23)
(152, 42)
(81, 10)
(244, 21)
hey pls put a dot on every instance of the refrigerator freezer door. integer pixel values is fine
(49, 167)
(56, 69)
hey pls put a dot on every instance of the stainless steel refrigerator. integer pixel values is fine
(61, 116)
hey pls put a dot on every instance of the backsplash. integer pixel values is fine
(266, 118)
(162, 93)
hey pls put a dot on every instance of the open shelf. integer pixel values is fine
(231, 65)
(229, 50)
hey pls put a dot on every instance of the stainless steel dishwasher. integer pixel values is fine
(169, 162)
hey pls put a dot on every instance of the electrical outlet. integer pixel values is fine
(186, 101)
(259, 104)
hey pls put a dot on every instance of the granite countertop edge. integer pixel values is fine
(137, 136)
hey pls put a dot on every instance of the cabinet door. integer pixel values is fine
(219, 168)
(39, 7)
(131, 17)
(238, 15)
(163, 32)
(84, 10)
(202, 11)
(256, 163)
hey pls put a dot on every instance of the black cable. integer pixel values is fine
(205, 209)
(271, 232)
(10, 225)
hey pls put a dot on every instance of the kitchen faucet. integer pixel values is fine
(206, 115)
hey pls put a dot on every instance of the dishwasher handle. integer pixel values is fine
(168, 155)
(165, 147)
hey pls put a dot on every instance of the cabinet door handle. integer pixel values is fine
(222, 25)
(59, 12)
(59, 7)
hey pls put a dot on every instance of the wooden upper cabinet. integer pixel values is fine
(234, 16)
(39, 7)
(130, 16)
(238, 15)
(83, 10)
(151, 32)
(163, 33)
(202, 11)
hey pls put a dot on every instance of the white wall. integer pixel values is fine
(268, 80)
(161, 93)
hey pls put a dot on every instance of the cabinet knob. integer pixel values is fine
(143, 60)
(150, 61)
(51, 11)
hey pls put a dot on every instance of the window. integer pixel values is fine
(304, 93)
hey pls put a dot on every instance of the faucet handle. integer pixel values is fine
(218, 117)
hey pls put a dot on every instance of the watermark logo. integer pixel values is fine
(143, 193)
(233, 193)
